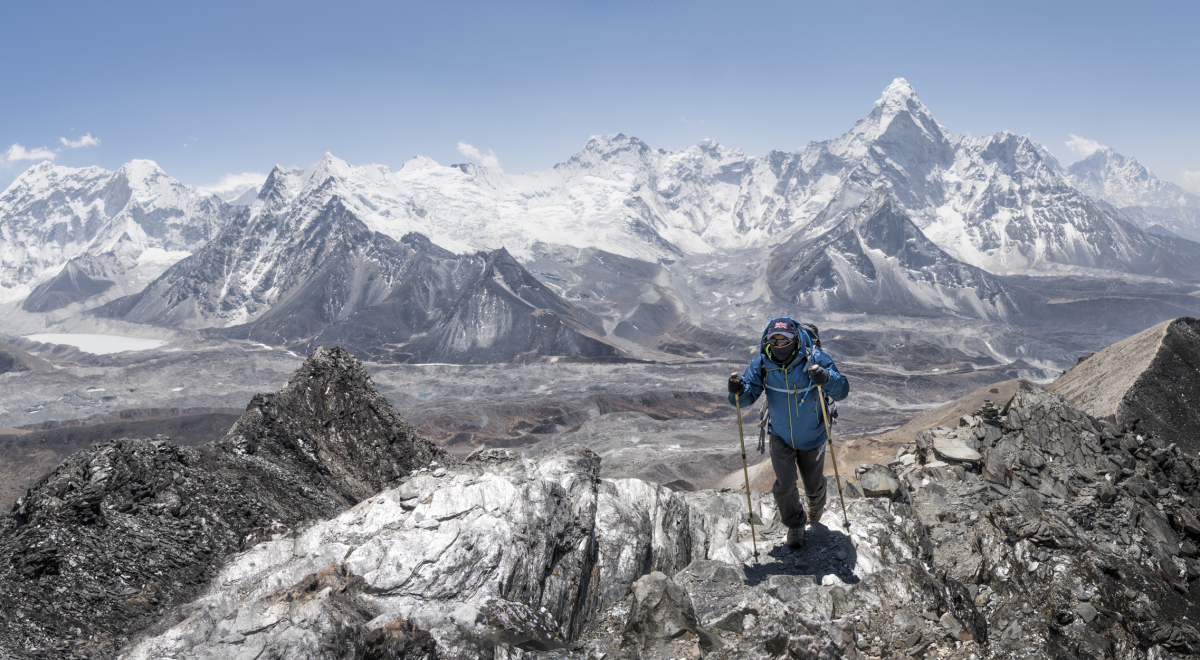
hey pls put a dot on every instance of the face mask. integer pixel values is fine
(780, 353)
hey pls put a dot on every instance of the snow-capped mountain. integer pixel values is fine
(898, 215)
(299, 266)
(467, 309)
(877, 261)
(1127, 184)
(997, 202)
(137, 218)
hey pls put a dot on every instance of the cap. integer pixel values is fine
(783, 327)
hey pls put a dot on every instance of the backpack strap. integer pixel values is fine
(764, 413)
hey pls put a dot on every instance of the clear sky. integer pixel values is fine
(208, 89)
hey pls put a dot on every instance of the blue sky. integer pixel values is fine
(217, 88)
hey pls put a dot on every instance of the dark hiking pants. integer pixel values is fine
(811, 466)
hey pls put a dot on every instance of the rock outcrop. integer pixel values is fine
(503, 555)
(1074, 536)
(1151, 379)
(1059, 536)
(118, 534)
(1067, 537)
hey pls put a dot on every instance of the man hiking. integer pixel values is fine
(790, 368)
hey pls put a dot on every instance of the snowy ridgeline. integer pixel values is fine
(997, 202)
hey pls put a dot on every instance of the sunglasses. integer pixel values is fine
(779, 340)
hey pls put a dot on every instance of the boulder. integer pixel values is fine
(879, 481)
(1106, 492)
(662, 619)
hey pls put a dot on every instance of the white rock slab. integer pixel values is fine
(954, 449)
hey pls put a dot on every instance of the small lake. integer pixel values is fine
(98, 344)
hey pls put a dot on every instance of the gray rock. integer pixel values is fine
(1185, 521)
(1106, 492)
(991, 436)
(994, 468)
(161, 518)
(1139, 487)
(1087, 612)
(662, 613)
(879, 481)
(1031, 459)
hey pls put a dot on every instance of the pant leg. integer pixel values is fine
(812, 473)
(787, 497)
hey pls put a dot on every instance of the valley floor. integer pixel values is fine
(667, 422)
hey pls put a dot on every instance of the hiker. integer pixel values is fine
(792, 368)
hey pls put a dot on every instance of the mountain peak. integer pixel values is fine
(141, 170)
(331, 164)
(900, 91)
(611, 142)
(897, 123)
(900, 98)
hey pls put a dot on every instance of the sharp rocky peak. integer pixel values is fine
(899, 98)
(125, 530)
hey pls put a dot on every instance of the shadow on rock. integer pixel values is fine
(828, 555)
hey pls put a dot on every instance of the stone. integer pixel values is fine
(1139, 487)
(662, 612)
(1185, 521)
(879, 481)
(1031, 459)
(992, 435)
(954, 449)
(1106, 492)
(994, 468)
(954, 628)
(1087, 612)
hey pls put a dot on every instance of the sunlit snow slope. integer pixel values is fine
(137, 220)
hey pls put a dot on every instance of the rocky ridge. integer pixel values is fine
(107, 543)
(1149, 379)
(1049, 534)
(1076, 537)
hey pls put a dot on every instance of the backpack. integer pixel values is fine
(764, 413)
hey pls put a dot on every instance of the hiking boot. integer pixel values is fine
(814, 514)
(795, 537)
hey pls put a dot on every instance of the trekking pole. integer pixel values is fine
(836, 476)
(746, 473)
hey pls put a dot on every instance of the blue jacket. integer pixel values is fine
(792, 397)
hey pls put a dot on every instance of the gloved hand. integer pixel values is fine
(818, 375)
(736, 384)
